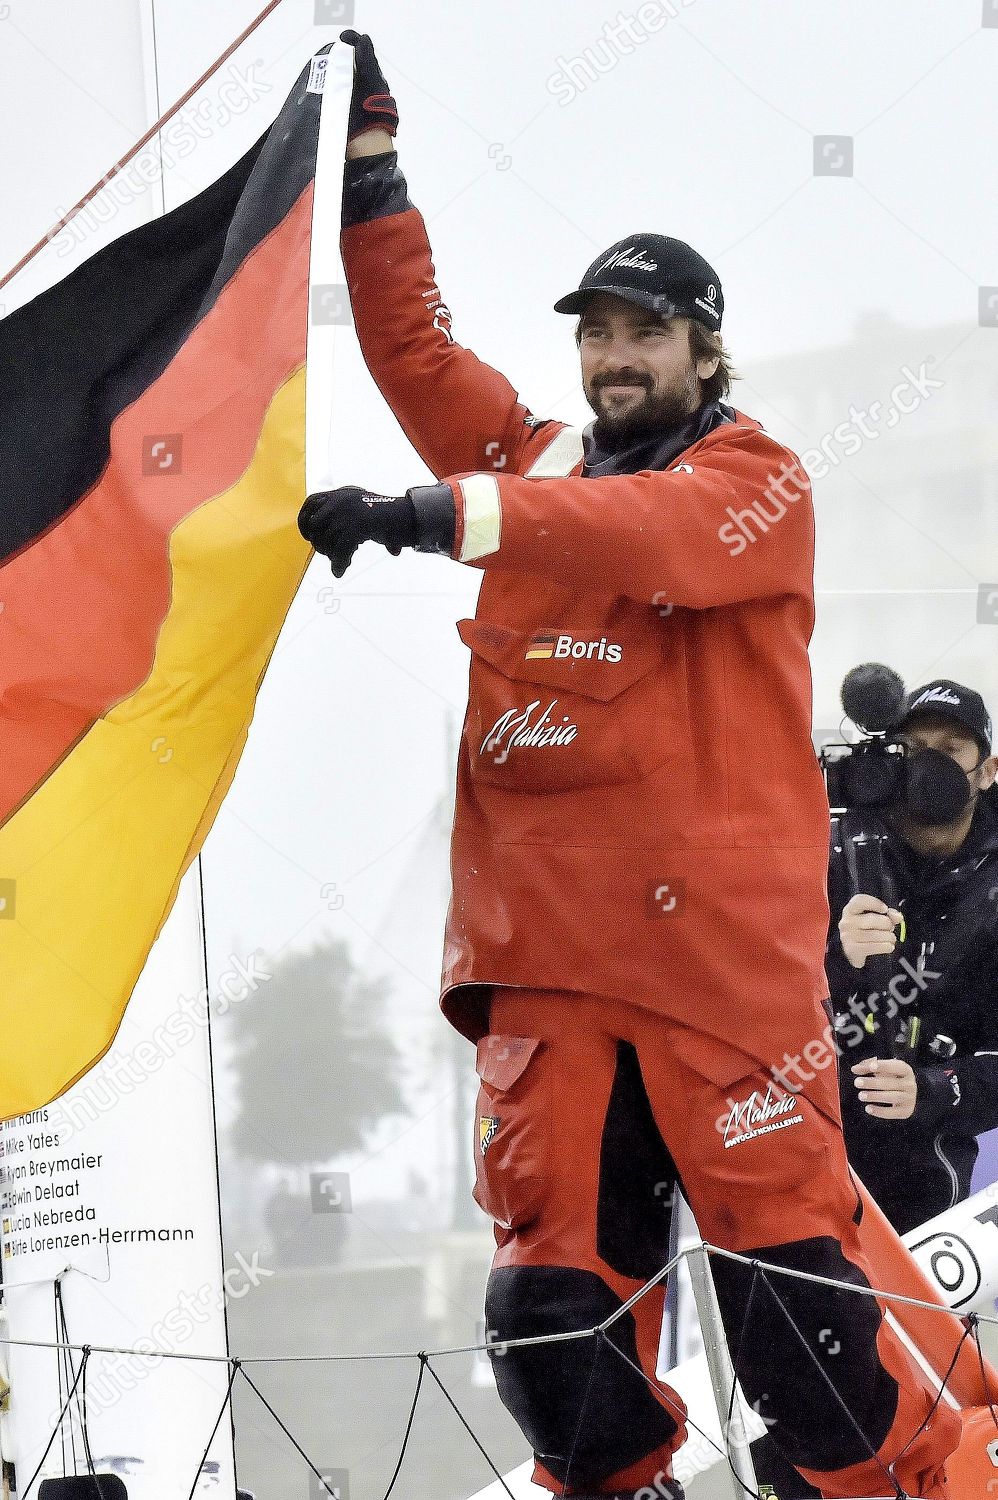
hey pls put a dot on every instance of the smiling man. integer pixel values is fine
(642, 372)
(637, 927)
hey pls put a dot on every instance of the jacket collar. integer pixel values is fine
(604, 457)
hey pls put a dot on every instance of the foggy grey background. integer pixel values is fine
(844, 262)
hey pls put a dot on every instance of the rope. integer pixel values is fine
(218, 1421)
(67, 1368)
(760, 1270)
(736, 1356)
(291, 1438)
(58, 1425)
(133, 151)
(452, 1404)
(685, 1416)
(842, 1286)
(550, 1338)
(932, 1409)
(972, 1322)
(91, 1469)
(60, 1365)
(583, 1406)
(408, 1428)
(835, 1392)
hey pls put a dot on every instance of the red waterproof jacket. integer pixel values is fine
(640, 812)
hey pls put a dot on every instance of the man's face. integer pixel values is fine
(638, 374)
(937, 732)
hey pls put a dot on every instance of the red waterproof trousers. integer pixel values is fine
(589, 1111)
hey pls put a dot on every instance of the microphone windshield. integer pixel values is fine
(873, 696)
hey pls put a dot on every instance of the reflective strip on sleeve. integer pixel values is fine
(563, 454)
(482, 516)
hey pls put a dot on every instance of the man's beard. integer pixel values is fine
(659, 408)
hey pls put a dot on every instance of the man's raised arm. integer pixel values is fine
(457, 412)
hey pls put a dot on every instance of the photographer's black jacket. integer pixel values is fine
(945, 973)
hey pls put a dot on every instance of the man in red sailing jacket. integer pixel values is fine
(636, 934)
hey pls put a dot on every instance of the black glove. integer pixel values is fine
(337, 521)
(371, 104)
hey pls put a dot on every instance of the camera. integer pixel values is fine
(868, 772)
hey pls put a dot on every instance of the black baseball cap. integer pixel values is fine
(953, 701)
(651, 270)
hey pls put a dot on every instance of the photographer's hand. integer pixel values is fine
(866, 927)
(888, 1088)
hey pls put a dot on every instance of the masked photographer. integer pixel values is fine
(913, 965)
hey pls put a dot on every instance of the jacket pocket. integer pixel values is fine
(555, 710)
(719, 1063)
(512, 1129)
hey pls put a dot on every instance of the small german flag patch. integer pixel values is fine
(540, 646)
(487, 1127)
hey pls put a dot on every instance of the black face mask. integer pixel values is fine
(934, 789)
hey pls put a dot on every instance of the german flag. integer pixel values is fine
(152, 418)
(540, 646)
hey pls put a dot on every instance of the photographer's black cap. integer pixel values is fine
(665, 275)
(953, 701)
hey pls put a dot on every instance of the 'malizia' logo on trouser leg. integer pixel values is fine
(487, 1127)
(759, 1114)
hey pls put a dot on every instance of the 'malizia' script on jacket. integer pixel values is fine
(514, 727)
